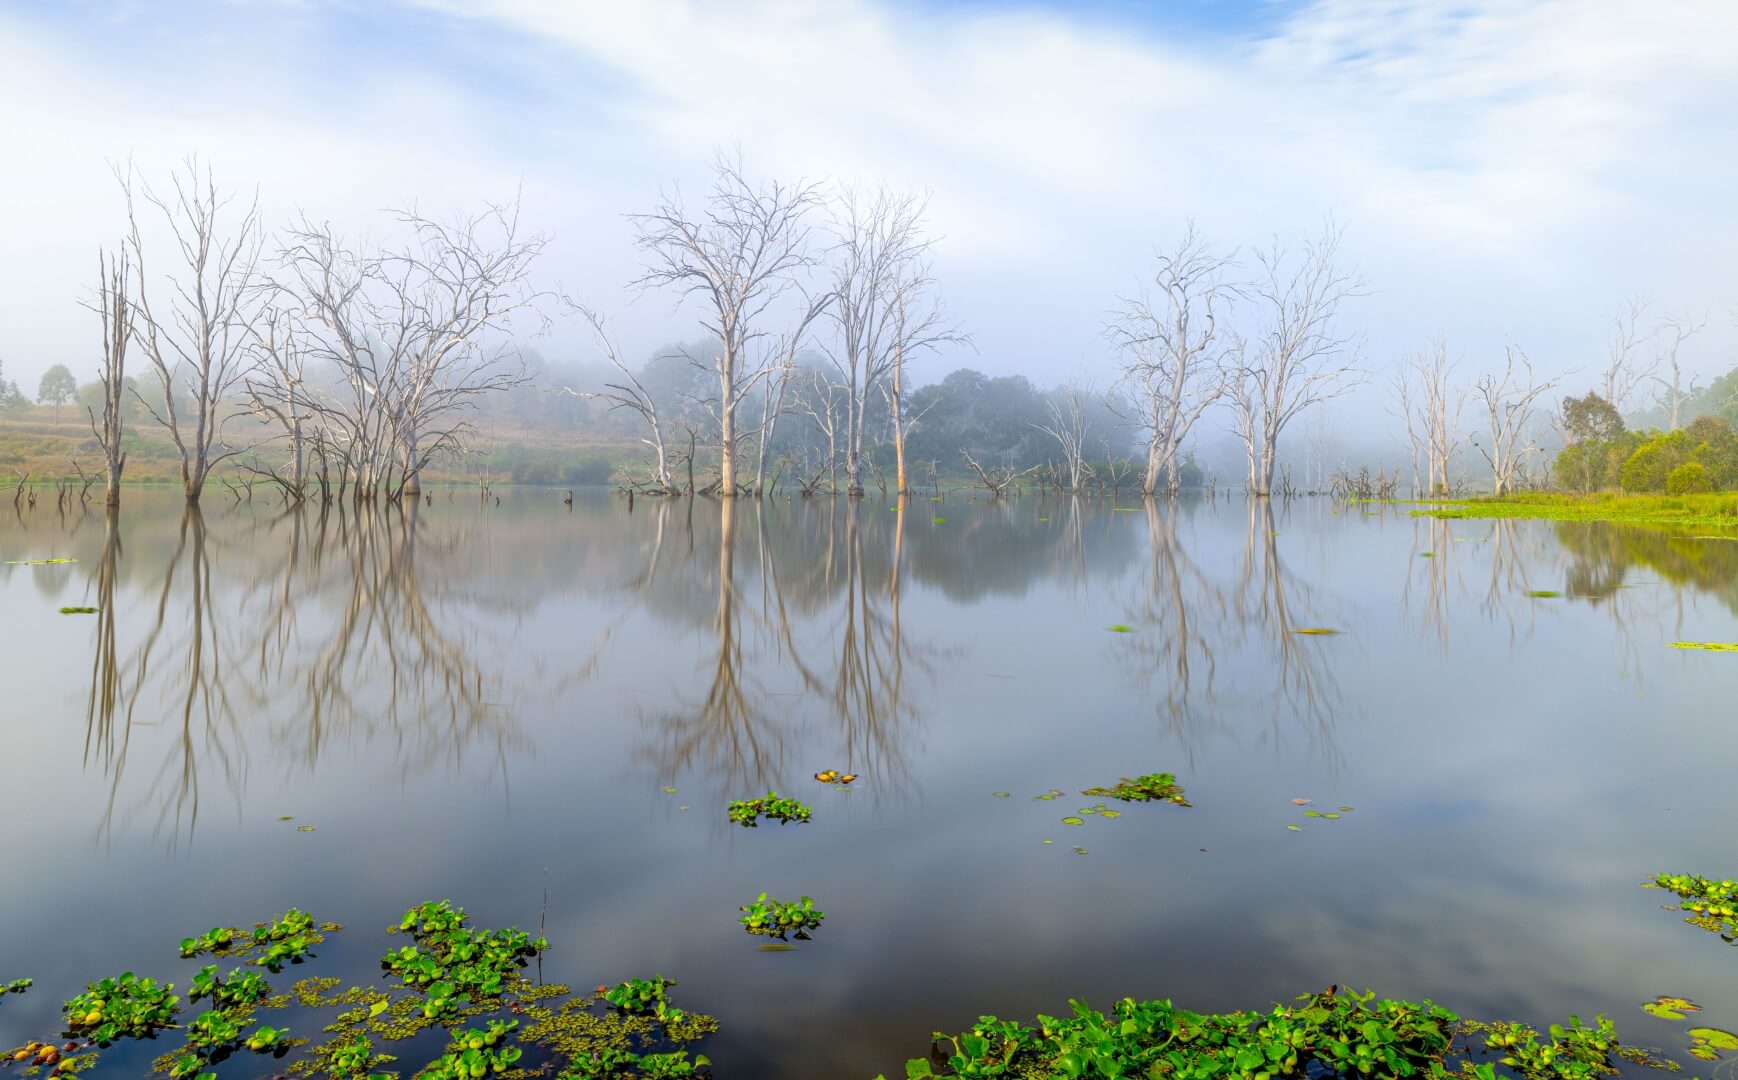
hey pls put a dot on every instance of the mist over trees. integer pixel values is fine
(330, 367)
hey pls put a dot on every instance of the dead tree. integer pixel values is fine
(740, 255)
(405, 329)
(1509, 402)
(1673, 332)
(1431, 411)
(277, 389)
(1626, 367)
(629, 394)
(1298, 356)
(996, 480)
(114, 307)
(1070, 424)
(203, 332)
(1176, 360)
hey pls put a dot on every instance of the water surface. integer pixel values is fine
(469, 700)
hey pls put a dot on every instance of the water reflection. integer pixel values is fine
(752, 628)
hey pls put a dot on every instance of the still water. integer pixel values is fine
(480, 702)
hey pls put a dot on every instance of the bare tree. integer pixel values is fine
(880, 277)
(1174, 355)
(820, 400)
(276, 387)
(1674, 330)
(1625, 366)
(114, 307)
(408, 331)
(1509, 401)
(1299, 357)
(203, 332)
(740, 255)
(629, 395)
(1070, 424)
(920, 323)
(1431, 411)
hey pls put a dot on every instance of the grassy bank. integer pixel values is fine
(1717, 510)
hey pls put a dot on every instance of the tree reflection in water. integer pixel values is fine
(346, 642)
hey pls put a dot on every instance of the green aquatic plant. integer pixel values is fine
(1706, 1042)
(1334, 1033)
(494, 1016)
(776, 918)
(1120, 628)
(645, 997)
(122, 1007)
(1544, 594)
(16, 986)
(1314, 631)
(1711, 904)
(41, 562)
(772, 805)
(1707, 646)
(80, 610)
(1670, 1008)
(1153, 787)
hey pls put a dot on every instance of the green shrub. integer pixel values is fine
(1688, 478)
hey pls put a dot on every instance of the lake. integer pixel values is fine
(497, 702)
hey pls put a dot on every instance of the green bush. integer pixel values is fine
(1688, 478)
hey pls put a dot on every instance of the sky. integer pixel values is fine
(1504, 170)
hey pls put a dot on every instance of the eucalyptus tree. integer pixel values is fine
(740, 254)
(630, 394)
(202, 332)
(1176, 358)
(1298, 355)
(1071, 426)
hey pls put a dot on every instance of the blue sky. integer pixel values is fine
(1503, 168)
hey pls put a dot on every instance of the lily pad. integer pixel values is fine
(669, 791)
(80, 610)
(1715, 1038)
(1709, 646)
(1073, 821)
(41, 562)
(1330, 814)
(1427, 554)
(1314, 631)
(1544, 594)
(1345, 809)
(1110, 813)
(998, 794)
(1312, 813)
(1295, 828)
(938, 521)
(1119, 628)
(304, 828)
(1301, 802)
(1081, 851)
(1043, 521)
(1670, 1008)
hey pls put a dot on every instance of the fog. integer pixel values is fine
(1503, 171)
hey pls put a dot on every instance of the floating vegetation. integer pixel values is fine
(1043, 521)
(1120, 628)
(772, 805)
(41, 562)
(16, 986)
(938, 521)
(1073, 821)
(998, 794)
(834, 776)
(1707, 646)
(1333, 1033)
(1544, 594)
(80, 610)
(776, 918)
(1153, 787)
(1081, 851)
(1711, 905)
(668, 790)
(1706, 1043)
(452, 977)
(1295, 828)
(1670, 1008)
(305, 828)
(1427, 554)
(1050, 796)
(1301, 802)
(1315, 631)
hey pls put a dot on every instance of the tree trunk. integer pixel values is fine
(898, 425)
